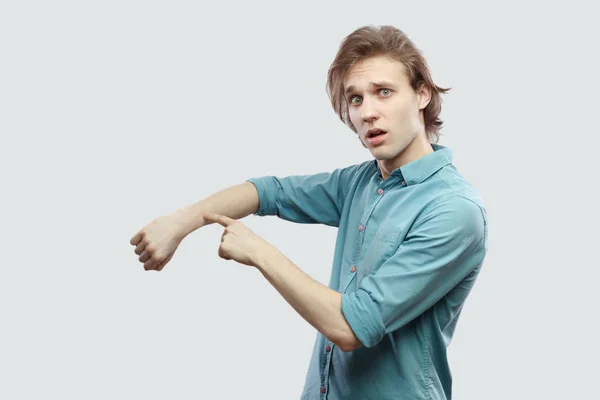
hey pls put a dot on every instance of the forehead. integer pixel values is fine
(379, 68)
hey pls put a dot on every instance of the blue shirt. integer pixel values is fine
(407, 254)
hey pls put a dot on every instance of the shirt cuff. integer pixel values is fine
(363, 317)
(267, 195)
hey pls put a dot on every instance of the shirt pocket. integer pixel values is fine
(383, 245)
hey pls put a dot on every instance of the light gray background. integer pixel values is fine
(113, 113)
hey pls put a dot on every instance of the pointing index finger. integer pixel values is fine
(220, 219)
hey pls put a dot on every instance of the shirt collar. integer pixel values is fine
(422, 168)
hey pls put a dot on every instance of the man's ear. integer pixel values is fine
(423, 96)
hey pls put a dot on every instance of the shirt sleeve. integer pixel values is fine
(317, 198)
(445, 245)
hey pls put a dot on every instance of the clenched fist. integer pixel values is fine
(156, 242)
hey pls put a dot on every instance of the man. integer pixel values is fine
(412, 232)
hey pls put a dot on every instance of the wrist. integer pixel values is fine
(262, 254)
(189, 219)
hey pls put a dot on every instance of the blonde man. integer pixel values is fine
(412, 232)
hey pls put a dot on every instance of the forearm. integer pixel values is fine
(235, 202)
(318, 304)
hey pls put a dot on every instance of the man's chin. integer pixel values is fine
(381, 154)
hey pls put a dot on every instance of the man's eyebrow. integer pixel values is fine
(372, 84)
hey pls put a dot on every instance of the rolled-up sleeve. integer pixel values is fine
(317, 198)
(446, 244)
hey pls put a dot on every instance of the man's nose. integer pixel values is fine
(369, 112)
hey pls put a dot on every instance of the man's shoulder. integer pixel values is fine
(456, 201)
(367, 165)
(451, 183)
(356, 172)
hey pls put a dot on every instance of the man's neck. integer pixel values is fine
(418, 148)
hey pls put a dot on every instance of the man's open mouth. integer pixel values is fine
(375, 132)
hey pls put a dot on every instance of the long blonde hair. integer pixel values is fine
(369, 41)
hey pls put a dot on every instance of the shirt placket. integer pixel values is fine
(348, 275)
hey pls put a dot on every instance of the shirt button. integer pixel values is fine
(323, 390)
(352, 268)
(380, 191)
(403, 183)
(328, 349)
(361, 228)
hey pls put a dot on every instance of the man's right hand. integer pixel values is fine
(156, 242)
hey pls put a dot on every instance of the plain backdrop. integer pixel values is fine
(113, 113)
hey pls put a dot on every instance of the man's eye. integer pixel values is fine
(386, 92)
(355, 100)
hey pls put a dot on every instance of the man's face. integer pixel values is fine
(380, 97)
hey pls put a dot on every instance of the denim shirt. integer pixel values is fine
(407, 254)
